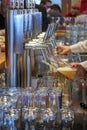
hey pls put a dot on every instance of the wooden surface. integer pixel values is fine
(2, 60)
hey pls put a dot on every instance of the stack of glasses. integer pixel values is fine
(30, 108)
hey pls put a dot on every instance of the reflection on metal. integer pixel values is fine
(28, 68)
(37, 23)
(18, 34)
(22, 25)
(10, 56)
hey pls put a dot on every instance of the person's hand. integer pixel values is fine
(63, 50)
(81, 72)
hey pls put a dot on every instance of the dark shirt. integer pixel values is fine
(44, 17)
(2, 22)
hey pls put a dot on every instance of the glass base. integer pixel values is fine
(67, 116)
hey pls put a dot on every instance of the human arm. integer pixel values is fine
(79, 47)
(81, 68)
(63, 50)
(82, 64)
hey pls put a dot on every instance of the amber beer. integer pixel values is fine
(67, 72)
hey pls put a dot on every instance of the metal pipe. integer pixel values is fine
(10, 56)
(28, 68)
(14, 45)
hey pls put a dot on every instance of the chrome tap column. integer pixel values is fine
(14, 44)
(22, 26)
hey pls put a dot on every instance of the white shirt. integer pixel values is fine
(80, 47)
(81, 18)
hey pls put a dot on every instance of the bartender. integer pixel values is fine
(80, 47)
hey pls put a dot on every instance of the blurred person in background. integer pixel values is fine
(55, 12)
(76, 48)
(83, 7)
(43, 8)
(82, 18)
(75, 10)
(46, 4)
